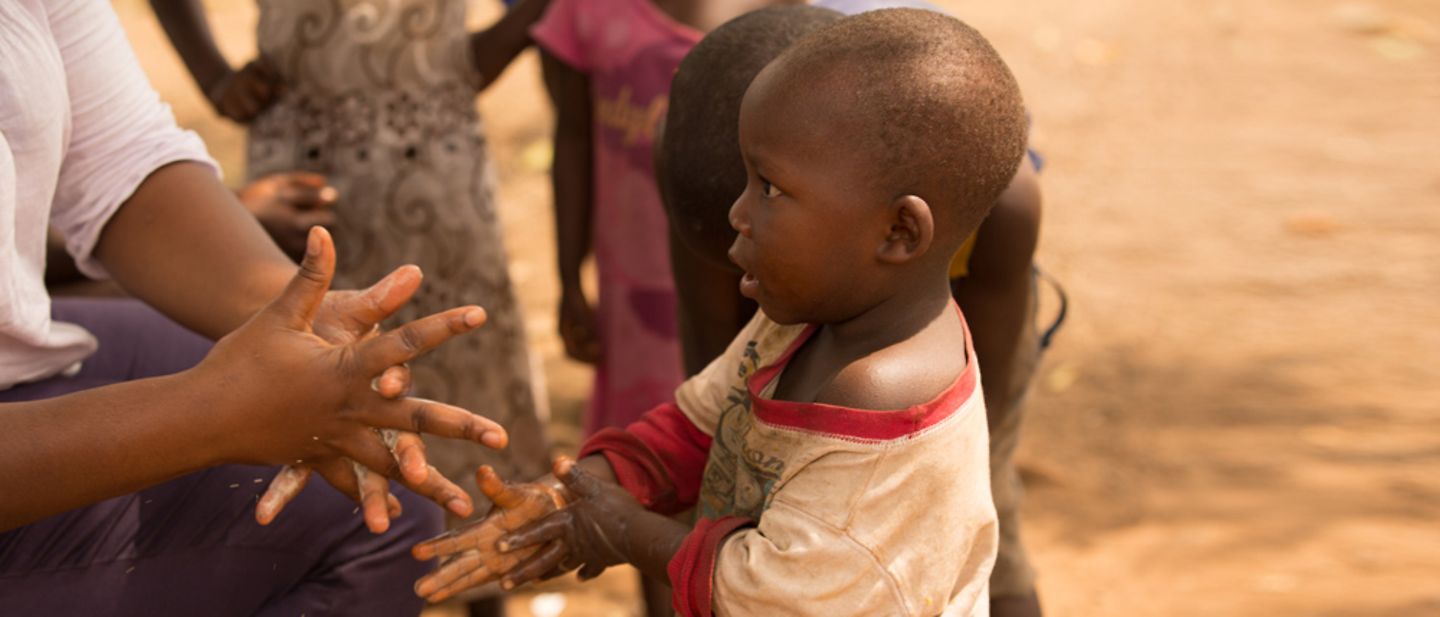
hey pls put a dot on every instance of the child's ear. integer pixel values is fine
(911, 230)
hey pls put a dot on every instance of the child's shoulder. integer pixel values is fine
(911, 373)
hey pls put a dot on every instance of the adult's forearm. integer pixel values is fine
(73, 450)
(184, 245)
(185, 25)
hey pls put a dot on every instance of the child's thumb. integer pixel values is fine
(580, 483)
(301, 298)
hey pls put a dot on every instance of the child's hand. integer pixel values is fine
(591, 533)
(473, 559)
(241, 95)
(577, 327)
(288, 204)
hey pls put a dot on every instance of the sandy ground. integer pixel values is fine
(1240, 417)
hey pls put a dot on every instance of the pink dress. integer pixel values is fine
(630, 50)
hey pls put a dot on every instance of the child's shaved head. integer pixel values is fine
(923, 97)
(701, 172)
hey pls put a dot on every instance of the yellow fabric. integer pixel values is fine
(960, 263)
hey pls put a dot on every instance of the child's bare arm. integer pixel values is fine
(494, 48)
(572, 174)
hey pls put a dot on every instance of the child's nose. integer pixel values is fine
(739, 217)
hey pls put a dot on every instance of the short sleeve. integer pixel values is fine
(790, 564)
(120, 131)
(564, 31)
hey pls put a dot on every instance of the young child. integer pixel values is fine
(837, 450)
(608, 65)
(992, 276)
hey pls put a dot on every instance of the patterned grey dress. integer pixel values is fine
(380, 97)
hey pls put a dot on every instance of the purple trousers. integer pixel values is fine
(191, 546)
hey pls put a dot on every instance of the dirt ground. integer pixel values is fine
(1243, 200)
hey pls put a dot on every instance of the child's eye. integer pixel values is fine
(769, 190)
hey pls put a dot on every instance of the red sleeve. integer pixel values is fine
(692, 571)
(659, 458)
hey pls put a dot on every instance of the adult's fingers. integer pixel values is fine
(504, 495)
(419, 415)
(297, 304)
(409, 449)
(394, 382)
(439, 489)
(288, 483)
(366, 448)
(362, 311)
(551, 527)
(413, 339)
(540, 564)
(374, 498)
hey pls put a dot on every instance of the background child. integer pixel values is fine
(700, 171)
(608, 66)
(840, 436)
(380, 98)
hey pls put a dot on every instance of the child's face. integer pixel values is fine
(809, 223)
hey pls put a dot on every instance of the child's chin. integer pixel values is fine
(780, 315)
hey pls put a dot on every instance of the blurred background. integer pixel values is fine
(1242, 415)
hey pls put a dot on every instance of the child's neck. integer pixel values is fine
(890, 356)
(893, 319)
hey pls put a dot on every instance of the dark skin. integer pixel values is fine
(286, 204)
(887, 334)
(309, 398)
(994, 296)
(573, 168)
(572, 178)
(243, 94)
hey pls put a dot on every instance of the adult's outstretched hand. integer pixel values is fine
(318, 380)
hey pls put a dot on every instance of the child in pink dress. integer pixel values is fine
(609, 64)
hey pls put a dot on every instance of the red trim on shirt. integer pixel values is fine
(861, 423)
(692, 570)
(660, 458)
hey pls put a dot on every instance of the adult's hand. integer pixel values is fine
(301, 398)
(288, 204)
(469, 552)
(346, 317)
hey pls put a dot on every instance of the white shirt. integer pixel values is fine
(80, 129)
